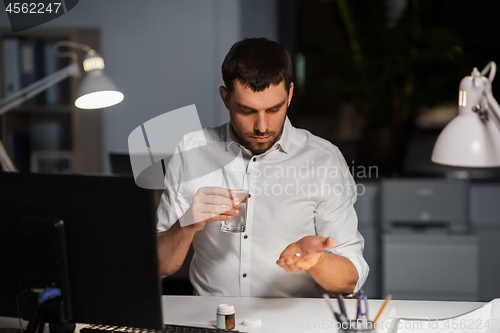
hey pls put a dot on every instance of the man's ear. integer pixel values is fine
(224, 94)
(290, 93)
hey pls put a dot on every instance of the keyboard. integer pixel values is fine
(166, 329)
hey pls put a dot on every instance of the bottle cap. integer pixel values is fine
(225, 309)
(252, 322)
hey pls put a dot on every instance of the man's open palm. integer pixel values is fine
(304, 254)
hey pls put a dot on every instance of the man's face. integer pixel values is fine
(257, 118)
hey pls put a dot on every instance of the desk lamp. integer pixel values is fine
(472, 139)
(96, 90)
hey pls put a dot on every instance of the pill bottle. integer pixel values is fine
(225, 316)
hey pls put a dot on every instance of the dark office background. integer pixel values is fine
(383, 75)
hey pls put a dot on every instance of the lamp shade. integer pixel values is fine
(468, 141)
(97, 91)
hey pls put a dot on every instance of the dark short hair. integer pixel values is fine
(257, 63)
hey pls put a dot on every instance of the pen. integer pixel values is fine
(341, 318)
(338, 317)
(364, 307)
(341, 304)
(363, 312)
(382, 308)
(360, 296)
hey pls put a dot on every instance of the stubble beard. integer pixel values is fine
(257, 148)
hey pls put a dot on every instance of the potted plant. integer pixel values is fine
(389, 69)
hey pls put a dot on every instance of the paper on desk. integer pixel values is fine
(486, 319)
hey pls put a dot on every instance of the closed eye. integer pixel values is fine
(248, 110)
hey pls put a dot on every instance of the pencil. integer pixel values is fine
(382, 308)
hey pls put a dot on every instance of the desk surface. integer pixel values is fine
(289, 314)
(294, 314)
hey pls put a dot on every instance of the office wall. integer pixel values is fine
(258, 18)
(165, 55)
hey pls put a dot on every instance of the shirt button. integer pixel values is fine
(244, 275)
(246, 236)
(255, 159)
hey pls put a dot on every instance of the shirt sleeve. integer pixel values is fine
(335, 217)
(172, 203)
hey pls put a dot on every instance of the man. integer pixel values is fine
(301, 224)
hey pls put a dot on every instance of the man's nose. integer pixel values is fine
(261, 123)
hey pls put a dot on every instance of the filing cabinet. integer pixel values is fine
(485, 220)
(428, 248)
(430, 267)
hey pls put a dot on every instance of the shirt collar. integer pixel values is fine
(283, 143)
(230, 138)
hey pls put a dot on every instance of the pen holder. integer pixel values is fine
(357, 326)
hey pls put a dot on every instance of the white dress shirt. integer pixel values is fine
(300, 186)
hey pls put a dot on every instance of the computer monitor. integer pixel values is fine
(110, 236)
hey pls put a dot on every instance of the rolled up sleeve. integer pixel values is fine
(172, 204)
(335, 217)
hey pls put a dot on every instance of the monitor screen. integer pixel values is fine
(110, 240)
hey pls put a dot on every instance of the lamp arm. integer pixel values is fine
(59, 54)
(35, 85)
(492, 68)
(39, 86)
(68, 43)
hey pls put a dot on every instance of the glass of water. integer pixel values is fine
(237, 183)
